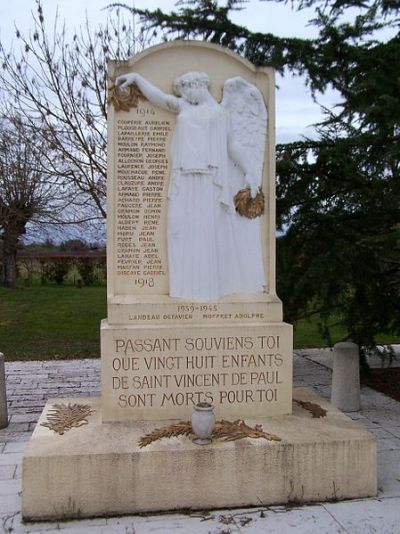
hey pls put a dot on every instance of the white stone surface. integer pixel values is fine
(389, 473)
(368, 517)
(324, 357)
(99, 469)
(142, 156)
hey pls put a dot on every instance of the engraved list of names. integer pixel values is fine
(142, 141)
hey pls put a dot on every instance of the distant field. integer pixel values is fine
(63, 322)
(51, 322)
(306, 334)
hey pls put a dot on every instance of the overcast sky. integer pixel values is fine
(295, 109)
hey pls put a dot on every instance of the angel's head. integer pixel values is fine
(193, 87)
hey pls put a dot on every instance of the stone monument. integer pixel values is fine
(192, 310)
(193, 315)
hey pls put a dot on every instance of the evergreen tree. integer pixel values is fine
(338, 196)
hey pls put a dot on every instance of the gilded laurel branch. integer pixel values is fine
(183, 428)
(123, 99)
(247, 206)
(233, 430)
(315, 409)
(63, 417)
(223, 430)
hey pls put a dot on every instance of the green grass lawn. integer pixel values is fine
(306, 334)
(51, 322)
(58, 322)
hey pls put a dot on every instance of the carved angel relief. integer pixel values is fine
(216, 163)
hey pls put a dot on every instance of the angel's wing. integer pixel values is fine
(249, 117)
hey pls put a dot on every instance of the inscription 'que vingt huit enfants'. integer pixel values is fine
(165, 372)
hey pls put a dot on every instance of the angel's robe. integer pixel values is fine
(205, 236)
(200, 147)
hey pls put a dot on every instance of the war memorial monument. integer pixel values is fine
(193, 315)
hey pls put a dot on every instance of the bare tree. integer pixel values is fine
(59, 81)
(28, 193)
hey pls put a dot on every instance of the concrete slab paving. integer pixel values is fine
(389, 444)
(325, 357)
(10, 504)
(276, 520)
(10, 459)
(10, 486)
(394, 430)
(373, 516)
(14, 446)
(30, 384)
(7, 472)
(388, 474)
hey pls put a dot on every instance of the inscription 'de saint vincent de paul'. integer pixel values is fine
(141, 190)
(177, 372)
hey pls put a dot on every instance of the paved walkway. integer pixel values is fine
(30, 384)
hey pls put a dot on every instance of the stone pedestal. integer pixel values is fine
(98, 469)
(159, 373)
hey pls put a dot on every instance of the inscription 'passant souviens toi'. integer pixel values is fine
(244, 369)
(198, 343)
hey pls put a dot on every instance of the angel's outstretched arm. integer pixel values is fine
(150, 91)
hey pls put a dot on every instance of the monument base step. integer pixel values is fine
(98, 469)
